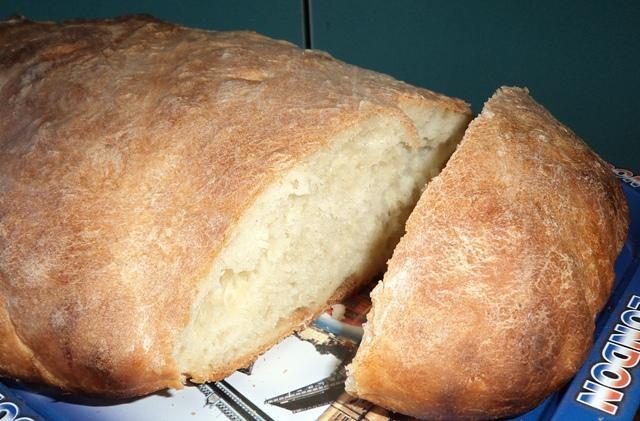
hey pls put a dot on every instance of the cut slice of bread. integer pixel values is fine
(174, 201)
(489, 301)
(322, 229)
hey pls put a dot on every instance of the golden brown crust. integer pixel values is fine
(490, 298)
(128, 148)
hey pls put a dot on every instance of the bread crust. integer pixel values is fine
(129, 148)
(490, 298)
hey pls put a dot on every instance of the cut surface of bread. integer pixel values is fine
(335, 217)
(173, 201)
(490, 298)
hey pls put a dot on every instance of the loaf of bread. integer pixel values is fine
(174, 201)
(490, 298)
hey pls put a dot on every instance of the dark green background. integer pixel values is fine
(276, 18)
(579, 58)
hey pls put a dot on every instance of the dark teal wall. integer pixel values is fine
(581, 59)
(277, 18)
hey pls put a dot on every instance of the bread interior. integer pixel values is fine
(332, 221)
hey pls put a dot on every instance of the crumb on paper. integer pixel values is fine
(337, 311)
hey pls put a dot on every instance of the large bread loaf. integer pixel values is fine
(174, 201)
